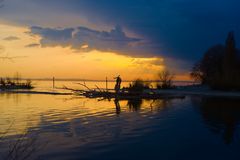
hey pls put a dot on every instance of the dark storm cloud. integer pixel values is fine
(180, 29)
(32, 45)
(82, 38)
(53, 36)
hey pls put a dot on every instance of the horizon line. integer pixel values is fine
(95, 80)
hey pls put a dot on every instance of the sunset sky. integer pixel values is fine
(92, 39)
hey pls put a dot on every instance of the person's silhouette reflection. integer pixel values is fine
(118, 107)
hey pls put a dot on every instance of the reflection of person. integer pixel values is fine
(118, 83)
(118, 108)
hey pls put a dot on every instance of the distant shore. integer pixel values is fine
(99, 80)
(32, 92)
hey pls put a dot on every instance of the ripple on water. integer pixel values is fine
(81, 124)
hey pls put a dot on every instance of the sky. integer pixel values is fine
(92, 39)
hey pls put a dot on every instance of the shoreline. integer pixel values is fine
(33, 92)
(210, 93)
(188, 91)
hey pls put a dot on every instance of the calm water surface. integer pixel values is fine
(67, 127)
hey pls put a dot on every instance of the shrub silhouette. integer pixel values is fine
(9, 84)
(138, 86)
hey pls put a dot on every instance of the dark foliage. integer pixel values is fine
(220, 66)
(8, 84)
(138, 86)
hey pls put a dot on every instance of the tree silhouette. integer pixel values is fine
(207, 70)
(230, 64)
(219, 68)
(166, 80)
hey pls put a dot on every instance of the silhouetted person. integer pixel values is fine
(118, 84)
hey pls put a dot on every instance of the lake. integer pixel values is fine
(68, 127)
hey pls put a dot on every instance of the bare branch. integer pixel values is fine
(165, 78)
(98, 88)
(70, 89)
(84, 86)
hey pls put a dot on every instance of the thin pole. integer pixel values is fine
(106, 84)
(53, 82)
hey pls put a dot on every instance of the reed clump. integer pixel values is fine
(8, 83)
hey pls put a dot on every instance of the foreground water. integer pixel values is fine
(65, 127)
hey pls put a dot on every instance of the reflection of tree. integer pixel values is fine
(159, 104)
(221, 115)
(134, 104)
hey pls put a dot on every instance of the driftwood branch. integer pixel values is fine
(71, 89)
(84, 86)
(98, 88)
(123, 94)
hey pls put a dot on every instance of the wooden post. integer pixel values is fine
(53, 82)
(106, 84)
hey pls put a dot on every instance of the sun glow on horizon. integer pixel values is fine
(34, 61)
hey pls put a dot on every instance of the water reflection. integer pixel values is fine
(222, 116)
(15, 97)
(134, 104)
(118, 107)
(72, 126)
